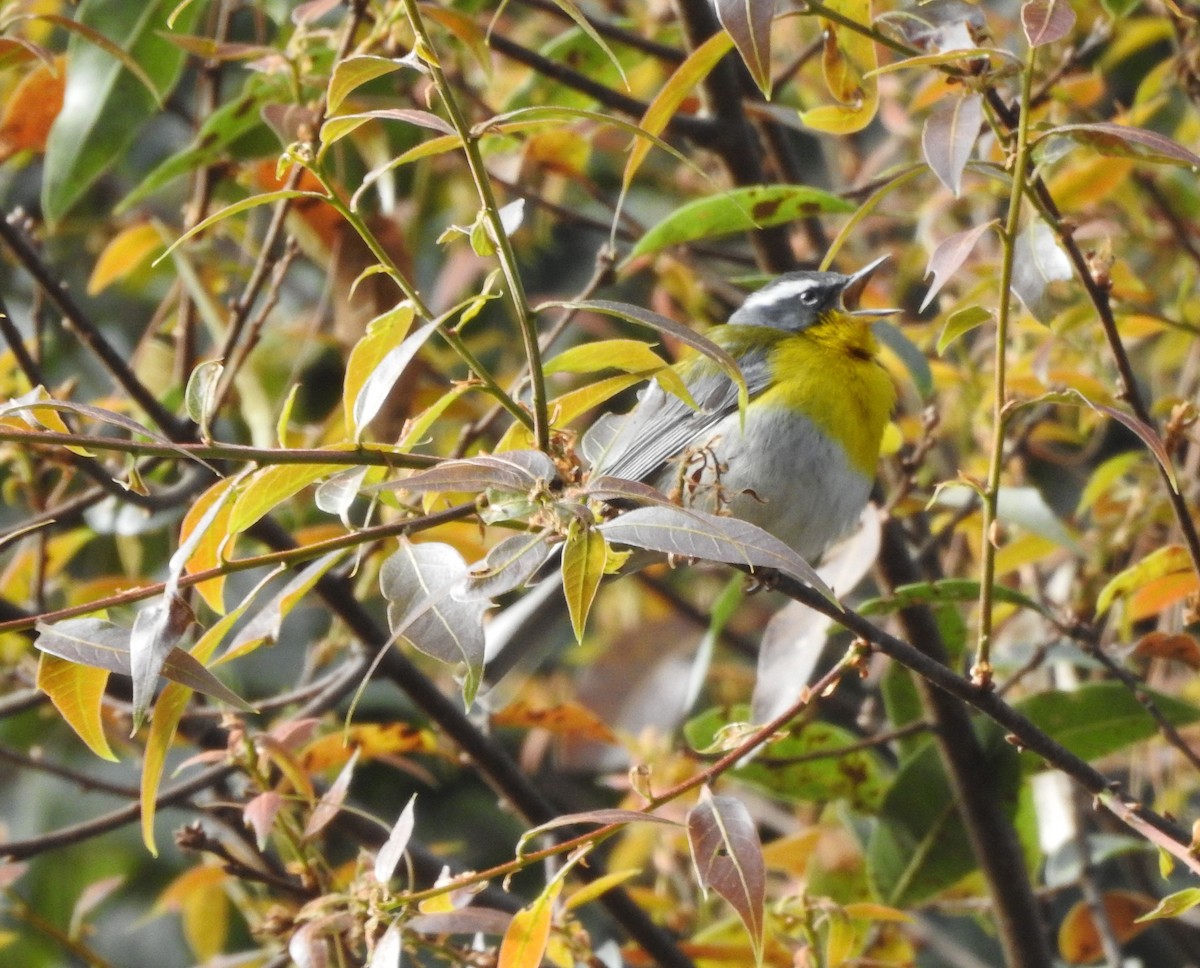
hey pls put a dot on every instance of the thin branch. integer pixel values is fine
(81, 325)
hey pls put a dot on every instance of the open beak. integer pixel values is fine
(856, 284)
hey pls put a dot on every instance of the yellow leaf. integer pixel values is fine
(384, 333)
(199, 896)
(589, 892)
(270, 487)
(529, 931)
(168, 710)
(563, 719)
(372, 740)
(1164, 561)
(77, 692)
(208, 553)
(126, 252)
(849, 58)
(584, 558)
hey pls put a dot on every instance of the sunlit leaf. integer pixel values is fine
(1038, 260)
(960, 323)
(384, 333)
(695, 534)
(585, 555)
(331, 801)
(378, 385)
(1160, 562)
(77, 692)
(507, 566)
(1173, 905)
(808, 763)
(264, 626)
(679, 85)
(1126, 141)
(527, 934)
(727, 855)
(1079, 940)
(737, 210)
(520, 471)
(352, 72)
(98, 643)
(268, 488)
(125, 253)
(562, 719)
(371, 740)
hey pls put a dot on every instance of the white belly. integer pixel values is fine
(798, 486)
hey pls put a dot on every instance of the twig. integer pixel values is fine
(82, 326)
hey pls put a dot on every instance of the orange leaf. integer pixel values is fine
(1159, 593)
(1078, 938)
(372, 740)
(1179, 647)
(32, 108)
(565, 719)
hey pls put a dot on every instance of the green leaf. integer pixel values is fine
(105, 104)
(353, 72)
(584, 558)
(233, 128)
(959, 323)
(919, 847)
(1100, 719)
(738, 210)
(808, 763)
(1173, 905)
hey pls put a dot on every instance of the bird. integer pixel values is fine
(799, 462)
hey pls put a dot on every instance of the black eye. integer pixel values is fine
(810, 297)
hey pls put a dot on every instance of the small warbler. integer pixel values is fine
(798, 463)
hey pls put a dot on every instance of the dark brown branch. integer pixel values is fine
(81, 325)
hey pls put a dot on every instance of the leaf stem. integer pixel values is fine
(982, 670)
(504, 250)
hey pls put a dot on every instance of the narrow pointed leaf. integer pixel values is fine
(948, 258)
(393, 849)
(949, 137)
(584, 558)
(748, 22)
(331, 802)
(728, 858)
(738, 210)
(1123, 141)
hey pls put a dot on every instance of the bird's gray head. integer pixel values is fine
(798, 300)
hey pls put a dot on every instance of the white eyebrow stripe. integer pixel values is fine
(780, 292)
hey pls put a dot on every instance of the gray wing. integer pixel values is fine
(636, 445)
